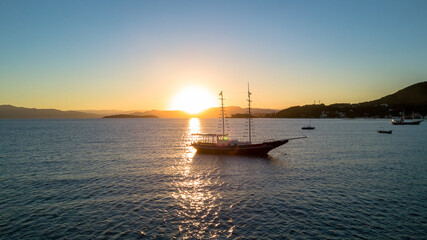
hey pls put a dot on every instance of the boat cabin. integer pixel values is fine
(220, 139)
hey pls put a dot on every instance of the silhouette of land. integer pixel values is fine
(243, 115)
(410, 99)
(12, 112)
(130, 116)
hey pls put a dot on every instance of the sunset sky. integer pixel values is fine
(138, 55)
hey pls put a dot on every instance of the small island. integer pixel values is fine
(130, 116)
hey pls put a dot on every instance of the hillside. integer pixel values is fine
(12, 112)
(414, 95)
(410, 99)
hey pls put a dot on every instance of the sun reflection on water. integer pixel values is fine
(198, 202)
(194, 125)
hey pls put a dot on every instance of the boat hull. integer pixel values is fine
(260, 149)
(406, 122)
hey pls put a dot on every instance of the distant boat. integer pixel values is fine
(381, 130)
(221, 144)
(308, 127)
(403, 121)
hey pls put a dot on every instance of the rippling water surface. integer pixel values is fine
(139, 178)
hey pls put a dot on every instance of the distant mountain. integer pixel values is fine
(12, 112)
(165, 114)
(209, 113)
(414, 95)
(130, 116)
(408, 100)
(104, 112)
(243, 115)
(234, 111)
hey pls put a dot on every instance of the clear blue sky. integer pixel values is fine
(137, 54)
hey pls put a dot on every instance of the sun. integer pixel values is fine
(193, 99)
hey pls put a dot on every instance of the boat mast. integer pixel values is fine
(222, 112)
(249, 108)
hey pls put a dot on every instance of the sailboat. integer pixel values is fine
(308, 127)
(402, 121)
(221, 144)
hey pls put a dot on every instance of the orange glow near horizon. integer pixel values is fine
(193, 99)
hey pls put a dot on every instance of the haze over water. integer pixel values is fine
(139, 178)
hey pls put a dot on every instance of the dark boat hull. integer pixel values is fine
(261, 149)
(383, 131)
(407, 123)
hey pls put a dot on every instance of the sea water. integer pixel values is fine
(141, 179)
